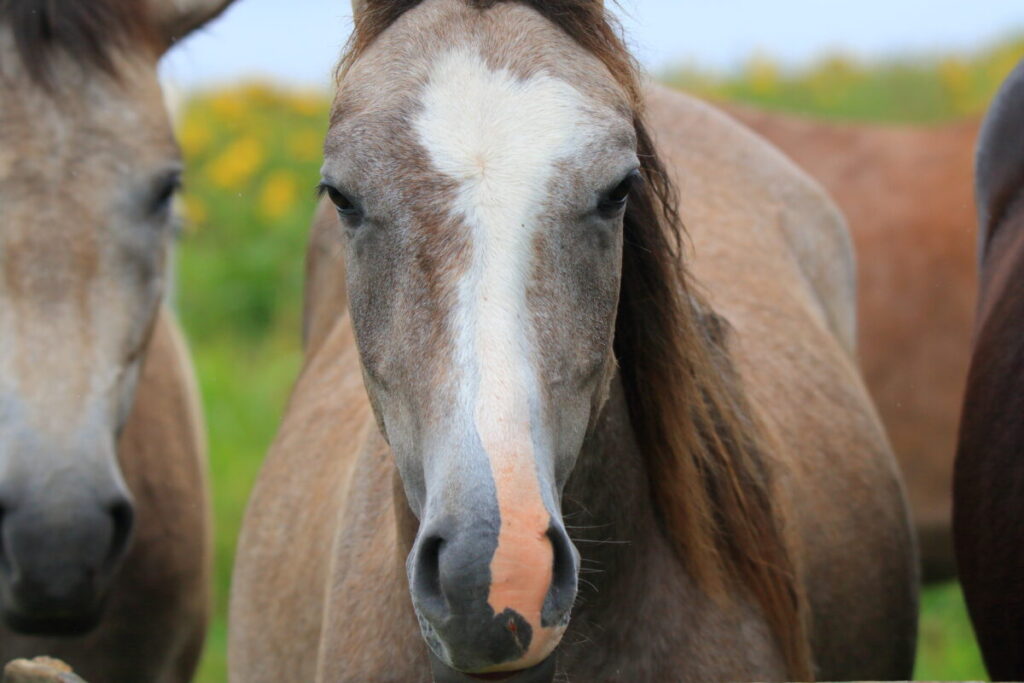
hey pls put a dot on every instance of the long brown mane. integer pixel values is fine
(709, 478)
(87, 31)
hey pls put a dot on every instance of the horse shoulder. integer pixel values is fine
(162, 448)
(774, 256)
(367, 613)
(284, 550)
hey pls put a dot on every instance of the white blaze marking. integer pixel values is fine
(500, 138)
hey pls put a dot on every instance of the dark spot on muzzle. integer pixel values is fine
(450, 581)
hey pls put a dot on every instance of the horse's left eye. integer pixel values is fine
(165, 189)
(347, 207)
(614, 200)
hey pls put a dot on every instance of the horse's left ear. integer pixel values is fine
(175, 19)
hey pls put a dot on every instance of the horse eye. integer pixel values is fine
(345, 206)
(165, 189)
(614, 200)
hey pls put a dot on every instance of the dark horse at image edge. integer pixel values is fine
(988, 497)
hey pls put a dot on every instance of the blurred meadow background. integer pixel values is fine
(253, 157)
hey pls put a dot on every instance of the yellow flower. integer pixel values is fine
(278, 194)
(305, 145)
(228, 106)
(955, 77)
(194, 136)
(236, 164)
(309, 103)
(763, 75)
(258, 92)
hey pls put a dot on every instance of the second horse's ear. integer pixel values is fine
(175, 19)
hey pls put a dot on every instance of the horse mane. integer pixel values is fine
(708, 472)
(86, 31)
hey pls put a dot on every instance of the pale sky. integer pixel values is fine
(298, 41)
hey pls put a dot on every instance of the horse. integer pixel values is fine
(106, 551)
(906, 193)
(917, 241)
(549, 434)
(988, 518)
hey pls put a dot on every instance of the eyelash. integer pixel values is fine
(614, 200)
(344, 205)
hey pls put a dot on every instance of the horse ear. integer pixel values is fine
(175, 19)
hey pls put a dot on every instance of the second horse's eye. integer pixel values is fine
(344, 205)
(614, 200)
(164, 190)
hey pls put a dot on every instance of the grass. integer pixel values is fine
(946, 648)
(244, 389)
(253, 155)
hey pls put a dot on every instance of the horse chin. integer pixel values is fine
(69, 624)
(544, 672)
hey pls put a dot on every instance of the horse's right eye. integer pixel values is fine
(345, 206)
(164, 190)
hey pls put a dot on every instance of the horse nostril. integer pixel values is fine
(564, 579)
(427, 575)
(122, 515)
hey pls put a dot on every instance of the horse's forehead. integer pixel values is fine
(444, 92)
(69, 149)
(508, 38)
(83, 111)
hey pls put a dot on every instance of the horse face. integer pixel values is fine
(88, 169)
(482, 209)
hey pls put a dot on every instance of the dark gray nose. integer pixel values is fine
(59, 549)
(450, 572)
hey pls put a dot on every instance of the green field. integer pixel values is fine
(253, 155)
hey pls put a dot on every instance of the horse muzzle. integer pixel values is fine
(485, 610)
(59, 553)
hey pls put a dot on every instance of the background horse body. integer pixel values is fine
(822, 572)
(989, 486)
(906, 193)
(105, 555)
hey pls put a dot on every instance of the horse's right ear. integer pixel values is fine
(175, 19)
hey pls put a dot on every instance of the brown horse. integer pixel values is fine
(906, 193)
(989, 486)
(104, 558)
(549, 439)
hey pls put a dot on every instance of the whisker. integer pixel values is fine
(588, 526)
(597, 541)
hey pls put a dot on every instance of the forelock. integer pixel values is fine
(88, 32)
